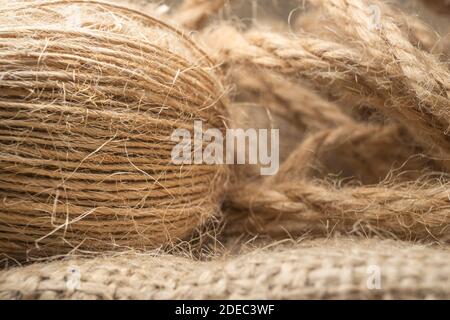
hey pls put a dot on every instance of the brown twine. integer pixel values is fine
(362, 76)
(87, 112)
(383, 69)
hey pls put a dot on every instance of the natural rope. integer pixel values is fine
(418, 97)
(292, 203)
(378, 68)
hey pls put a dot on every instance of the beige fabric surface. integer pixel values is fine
(314, 269)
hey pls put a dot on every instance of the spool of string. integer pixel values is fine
(90, 94)
(340, 58)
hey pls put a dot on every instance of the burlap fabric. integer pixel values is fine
(313, 269)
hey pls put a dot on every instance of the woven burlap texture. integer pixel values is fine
(313, 269)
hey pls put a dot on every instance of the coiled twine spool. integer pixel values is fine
(90, 94)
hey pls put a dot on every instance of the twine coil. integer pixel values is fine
(89, 96)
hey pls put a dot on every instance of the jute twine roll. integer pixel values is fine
(90, 94)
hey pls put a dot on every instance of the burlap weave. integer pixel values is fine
(313, 269)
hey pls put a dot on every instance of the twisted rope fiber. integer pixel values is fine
(87, 109)
(293, 202)
(379, 68)
(418, 97)
(353, 150)
(417, 31)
